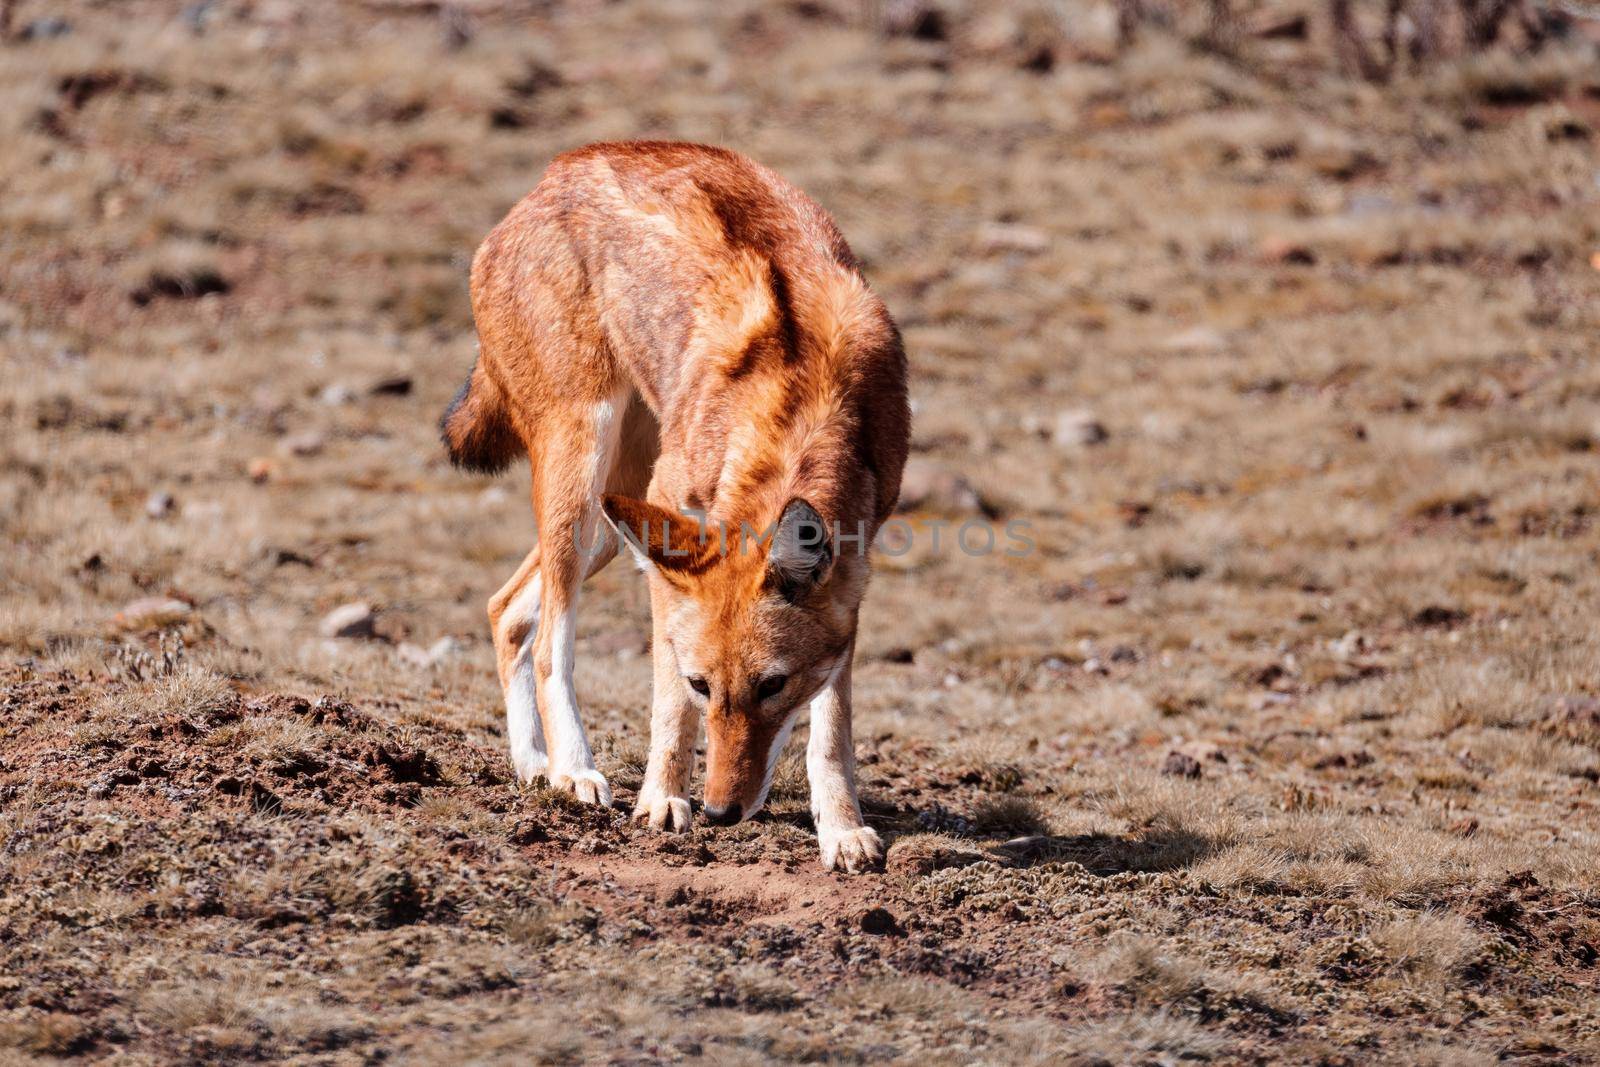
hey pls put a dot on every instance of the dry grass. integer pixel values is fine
(1430, 947)
(1284, 743)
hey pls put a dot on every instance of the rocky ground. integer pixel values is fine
(1282, 744)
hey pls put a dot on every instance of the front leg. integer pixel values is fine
(664, 796)
(845, 839)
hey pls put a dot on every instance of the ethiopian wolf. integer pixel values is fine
(682, 344)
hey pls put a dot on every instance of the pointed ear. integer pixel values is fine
(802, 551)
(655, 536)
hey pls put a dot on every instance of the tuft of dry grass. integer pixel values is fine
(1429, 946)
(546, 923)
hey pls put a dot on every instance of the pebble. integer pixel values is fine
(261, 469)
(149, 613)
(1009, 237)
(445, 648)
(395, 385)
(1078, 428)
(1349, 646)
(1196, 339)
(44, 29)
(1181, 765)
(1279, 249)
(160, 505)
(927, 485)
(304, 444)
(415, 655)
(350, 620)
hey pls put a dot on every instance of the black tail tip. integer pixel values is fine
(476, 434)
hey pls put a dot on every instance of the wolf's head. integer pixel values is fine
(756, 622)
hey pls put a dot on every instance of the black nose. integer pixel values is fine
(723, 814)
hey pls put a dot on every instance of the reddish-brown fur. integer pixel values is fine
(722, 315)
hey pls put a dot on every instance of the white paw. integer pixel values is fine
(854, 848)
(529, 762)
(663, 812)
(588, 786)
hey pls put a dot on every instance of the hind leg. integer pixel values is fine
(576, 457)
(514, 620)
(514, 610)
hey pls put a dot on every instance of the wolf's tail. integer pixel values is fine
(476, 427)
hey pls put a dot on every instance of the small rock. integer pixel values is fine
(415, 655)
(1135, 513)
(1351, 645)
(261, 469)
(880, 922)
(1181, 765)
(160, 505)
(350, 620)
(1078, 429)
(44, 29)
(432, 656)
(1283, 250)
(1009, 237)
(927, 485)
(1163, 427)
(1339, 160)
(446, 647)
(337, 394)
(1280, 25)
(304, 444)
(1437, 615)
(151, 613)
(1203, 751)
(1369, 205)
(1565, 126)
(1343, 760)
(921, 20)
(1197, 339)
(395, 385)
(197, 15)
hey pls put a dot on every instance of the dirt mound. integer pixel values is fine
(187, 743)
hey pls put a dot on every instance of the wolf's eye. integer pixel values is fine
(700, 685)
(771, 686)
